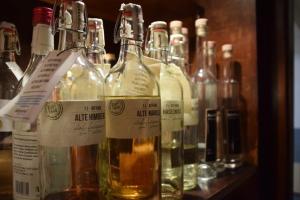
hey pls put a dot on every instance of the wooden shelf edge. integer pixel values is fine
(223, 185)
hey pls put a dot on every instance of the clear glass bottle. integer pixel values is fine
(9, 48)
(230, 108)
(25, 136)
(171, 95)
(95, 46)
(220, 148)
(185, 33)
(96, 55)
(206, 84)
(190, 103)
(133, 115)
(71, 123)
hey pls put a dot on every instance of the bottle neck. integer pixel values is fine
(159, 46)
(211, 61)
(96, 56)
(8, 56)
(200, 59)
(159, 54)
(70, 40)
(227, 71)
(177, 51)
(130, 46)
(42, 40)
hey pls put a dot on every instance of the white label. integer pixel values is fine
(42, 39)
(191, 118)
(15, 69)
(132, 118)
(5, 124)
(26, 165)
(29, 102)
(68, 123)
(171, 116)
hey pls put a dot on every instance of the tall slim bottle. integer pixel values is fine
(177, 58)
(133, 115)
(171, 115)
(206, 84)
(71, 123)
(219, 143)
(229, 104)
(25, 136)
(185, 33)
(9, 48)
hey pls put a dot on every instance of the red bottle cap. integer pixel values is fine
(42, 15)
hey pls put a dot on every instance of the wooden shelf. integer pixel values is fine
(222, 186)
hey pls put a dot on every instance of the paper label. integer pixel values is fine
(42, 39)
(191, 118)
(29, 102)
(15, 69)
(69, 123)
(233, 129)
(26, 165)
(211, 135)
(171, 116)
(132, 118)
(5, 124)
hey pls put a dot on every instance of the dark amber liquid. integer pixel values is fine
(5, 167)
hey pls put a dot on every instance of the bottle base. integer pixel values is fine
(234, 165)
(190, 177)
(206, 172)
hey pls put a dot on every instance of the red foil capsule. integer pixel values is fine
(42, 15)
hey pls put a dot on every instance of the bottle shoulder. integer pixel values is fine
(131, 77)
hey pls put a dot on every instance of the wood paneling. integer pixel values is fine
(275, 70)
(234, 21)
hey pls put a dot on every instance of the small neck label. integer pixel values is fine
(42, 39)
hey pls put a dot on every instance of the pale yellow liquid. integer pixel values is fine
(134, 165)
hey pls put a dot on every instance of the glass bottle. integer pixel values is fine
(96, 55)
(220, 148)
(171, 115)
(71, 123)
(9, 48)
(25, 135)
(206, 84)
(190, 103)
(185, 33)
(229, 104)
(95, 46)
(133, 115)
